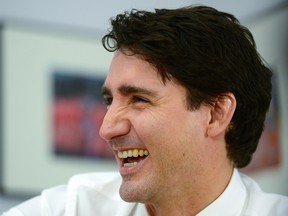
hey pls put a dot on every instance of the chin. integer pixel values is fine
(130, 192)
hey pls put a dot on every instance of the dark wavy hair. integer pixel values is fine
(210, 54)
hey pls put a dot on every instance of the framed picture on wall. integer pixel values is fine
(78, 112)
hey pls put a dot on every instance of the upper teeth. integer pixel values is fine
(133, 153)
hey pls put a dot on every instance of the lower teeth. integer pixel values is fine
(130, 164)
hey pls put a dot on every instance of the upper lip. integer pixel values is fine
(126, 143)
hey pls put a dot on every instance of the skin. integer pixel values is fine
(187, 167)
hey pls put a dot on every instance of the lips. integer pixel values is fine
(130, 153)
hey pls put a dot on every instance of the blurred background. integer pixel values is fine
(52, 66)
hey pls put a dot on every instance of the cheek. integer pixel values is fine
(167, 135)
(177, 127)
(155, 130)
(180, 136)
(174, 143)
(175, 131)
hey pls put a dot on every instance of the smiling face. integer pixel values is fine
(158, 143)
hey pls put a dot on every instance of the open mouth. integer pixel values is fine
(132, 157)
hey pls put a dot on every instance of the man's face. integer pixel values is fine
(156, 140)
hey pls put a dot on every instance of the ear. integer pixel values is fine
(221, 114)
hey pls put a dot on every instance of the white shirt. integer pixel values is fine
(96, 194)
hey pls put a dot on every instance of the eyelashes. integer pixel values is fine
(138, 99)
(134, 99)
(107, 101)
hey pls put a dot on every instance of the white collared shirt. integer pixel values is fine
(97, 194)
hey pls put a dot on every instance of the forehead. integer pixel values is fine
(129, 70)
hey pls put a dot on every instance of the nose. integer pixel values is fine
(115, 124)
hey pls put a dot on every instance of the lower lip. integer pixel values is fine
(124, 171)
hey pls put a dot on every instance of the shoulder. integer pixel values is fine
(61, 199)
(262, 202)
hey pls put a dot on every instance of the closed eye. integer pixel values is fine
(107, 100)
(138, 99)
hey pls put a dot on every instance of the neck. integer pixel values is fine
(186, 200)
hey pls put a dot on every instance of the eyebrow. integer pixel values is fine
(126, 90)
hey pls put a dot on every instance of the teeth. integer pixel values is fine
(130, 153)
(133, 153)
(130, 164)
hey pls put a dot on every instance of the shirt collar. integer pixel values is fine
(231, 201)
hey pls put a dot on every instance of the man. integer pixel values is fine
(186, 95)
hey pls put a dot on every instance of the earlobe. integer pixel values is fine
(221, 114)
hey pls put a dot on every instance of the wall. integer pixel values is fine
(271, 33)
(29, 58)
